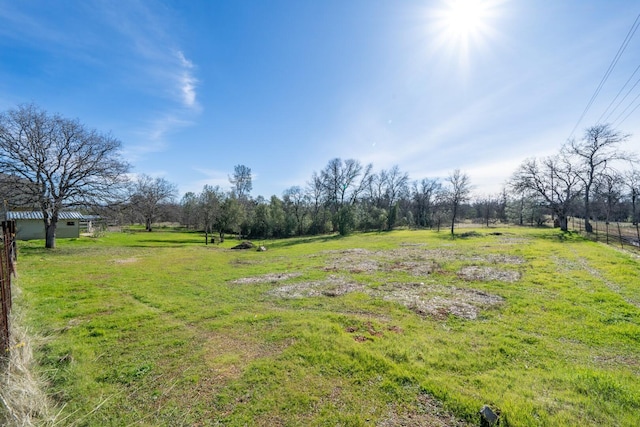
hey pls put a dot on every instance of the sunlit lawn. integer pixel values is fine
(372, 329)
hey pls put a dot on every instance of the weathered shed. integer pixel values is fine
(30, 225)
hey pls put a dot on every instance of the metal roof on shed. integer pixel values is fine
(38, 215)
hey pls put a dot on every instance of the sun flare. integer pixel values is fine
(464, 26)
(465, 18)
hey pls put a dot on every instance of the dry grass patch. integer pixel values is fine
(332, 286)
(411, 258)
(266, 278)
(355, 260)
(499, 259)
(228, 353)
(514, 240)
(416, 268)
(125, 260)
(416, 253)
(427, 411)
(22, 400)
(485, 274)
(438, 301)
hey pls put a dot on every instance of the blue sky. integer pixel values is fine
(193, 88)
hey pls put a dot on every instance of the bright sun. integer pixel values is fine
(464, 18)
(461, 25)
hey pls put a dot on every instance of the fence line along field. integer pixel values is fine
(376, 329)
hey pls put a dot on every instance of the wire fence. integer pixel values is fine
(621, 234)
(7, 271)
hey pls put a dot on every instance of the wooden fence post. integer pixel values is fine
(620, 236)
(7, 258)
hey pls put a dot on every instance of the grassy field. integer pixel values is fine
(386, 329)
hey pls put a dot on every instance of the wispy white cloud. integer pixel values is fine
(136, 42)
(158, 67)
(186, 81)
(154, 137)
(156, 53)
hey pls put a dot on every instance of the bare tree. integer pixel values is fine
(458, 192)
(553, 180)
(342, 184)
(598, 146)
(314, 191)
(296, 202)
(632, 183)
(340, 180)
(61, 162)
(425, 194)
(210, 208)
(487, 207)
(241, 181)
(149, 194)
(608, 192)
(395, 185)
(189, 205)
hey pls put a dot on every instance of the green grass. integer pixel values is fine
(152, 329)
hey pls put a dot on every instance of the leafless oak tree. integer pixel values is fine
(553, 180)
(598, 146)
(147, 196)
(62, 162)
(458, 192)
(608, 192)
(295, 201)
(342, 184)
(425, 194)
(632, 184)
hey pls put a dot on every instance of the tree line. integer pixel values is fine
(50, 163)
(343, 197)
(590, 177)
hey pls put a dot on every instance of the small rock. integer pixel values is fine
(488, 417)
(261, 248)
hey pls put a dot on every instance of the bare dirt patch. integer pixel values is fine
(485, 274)
(333, 286)
(266, 278)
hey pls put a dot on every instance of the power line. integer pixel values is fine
(618, 94)
(628, 106)
(621, 50)
(618, 123)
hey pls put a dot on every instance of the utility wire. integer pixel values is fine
(617, 95)
(622, 100)
(621, 50)
(618, 123)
